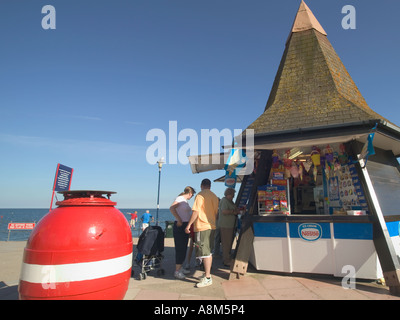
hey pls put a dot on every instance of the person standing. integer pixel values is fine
(146, 219)
(182, 212)
(226, 223)
(133, 220)
(205, 210)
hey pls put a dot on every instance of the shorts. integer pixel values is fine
(144, 226)
(204, 243)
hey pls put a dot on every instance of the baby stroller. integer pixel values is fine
(150, 247)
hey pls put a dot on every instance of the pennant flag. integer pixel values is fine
(368, 148)
(236, 161)
(62, 180)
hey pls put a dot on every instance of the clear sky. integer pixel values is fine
(86, 93)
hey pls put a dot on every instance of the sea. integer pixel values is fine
(34, 215)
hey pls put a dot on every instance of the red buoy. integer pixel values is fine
(80, 250)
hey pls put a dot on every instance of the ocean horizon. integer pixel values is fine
(29, 215)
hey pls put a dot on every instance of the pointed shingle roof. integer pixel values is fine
(312, 88)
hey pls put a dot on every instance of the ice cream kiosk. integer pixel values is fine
(316, 219)
(324, 193)
(324, 190)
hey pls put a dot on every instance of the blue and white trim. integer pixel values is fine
(311, 247)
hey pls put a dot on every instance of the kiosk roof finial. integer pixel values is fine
(305, 20)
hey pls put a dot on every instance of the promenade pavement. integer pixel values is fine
(255, 285)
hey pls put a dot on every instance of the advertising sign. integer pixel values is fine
(62, 181)
(310, 231)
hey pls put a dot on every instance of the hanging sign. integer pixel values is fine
(62, 180)
(236, 161)
(368, 148)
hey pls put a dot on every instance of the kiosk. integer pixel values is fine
(323, 197)
(326, 227)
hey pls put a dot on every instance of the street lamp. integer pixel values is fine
(160, 163)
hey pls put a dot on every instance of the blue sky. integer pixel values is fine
(87, 93)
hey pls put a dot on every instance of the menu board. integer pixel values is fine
(350, 194)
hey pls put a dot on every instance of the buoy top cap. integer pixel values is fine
(86, 193)
(86, 197)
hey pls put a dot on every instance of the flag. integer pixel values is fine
(236, 161)
(62, 180)
(368, 148)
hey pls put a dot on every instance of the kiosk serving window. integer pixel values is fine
(318, 180)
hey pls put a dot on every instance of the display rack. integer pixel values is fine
(274, 198)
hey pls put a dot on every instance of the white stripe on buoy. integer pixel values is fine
(46, 274)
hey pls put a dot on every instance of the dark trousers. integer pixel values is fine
(181, 239)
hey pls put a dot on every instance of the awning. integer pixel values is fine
(308, 142)
(222, 179)
(208, 162)
(381, 141)
(387, 136)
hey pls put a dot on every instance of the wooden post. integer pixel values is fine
(246, 236)
(243, 250)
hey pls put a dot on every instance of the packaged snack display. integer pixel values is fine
(272, 198)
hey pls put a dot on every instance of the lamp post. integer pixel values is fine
(160, 163)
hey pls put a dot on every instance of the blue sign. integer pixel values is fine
(393, 228)
(310, 231)
(62, 181)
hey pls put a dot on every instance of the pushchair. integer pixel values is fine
(150, 248)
